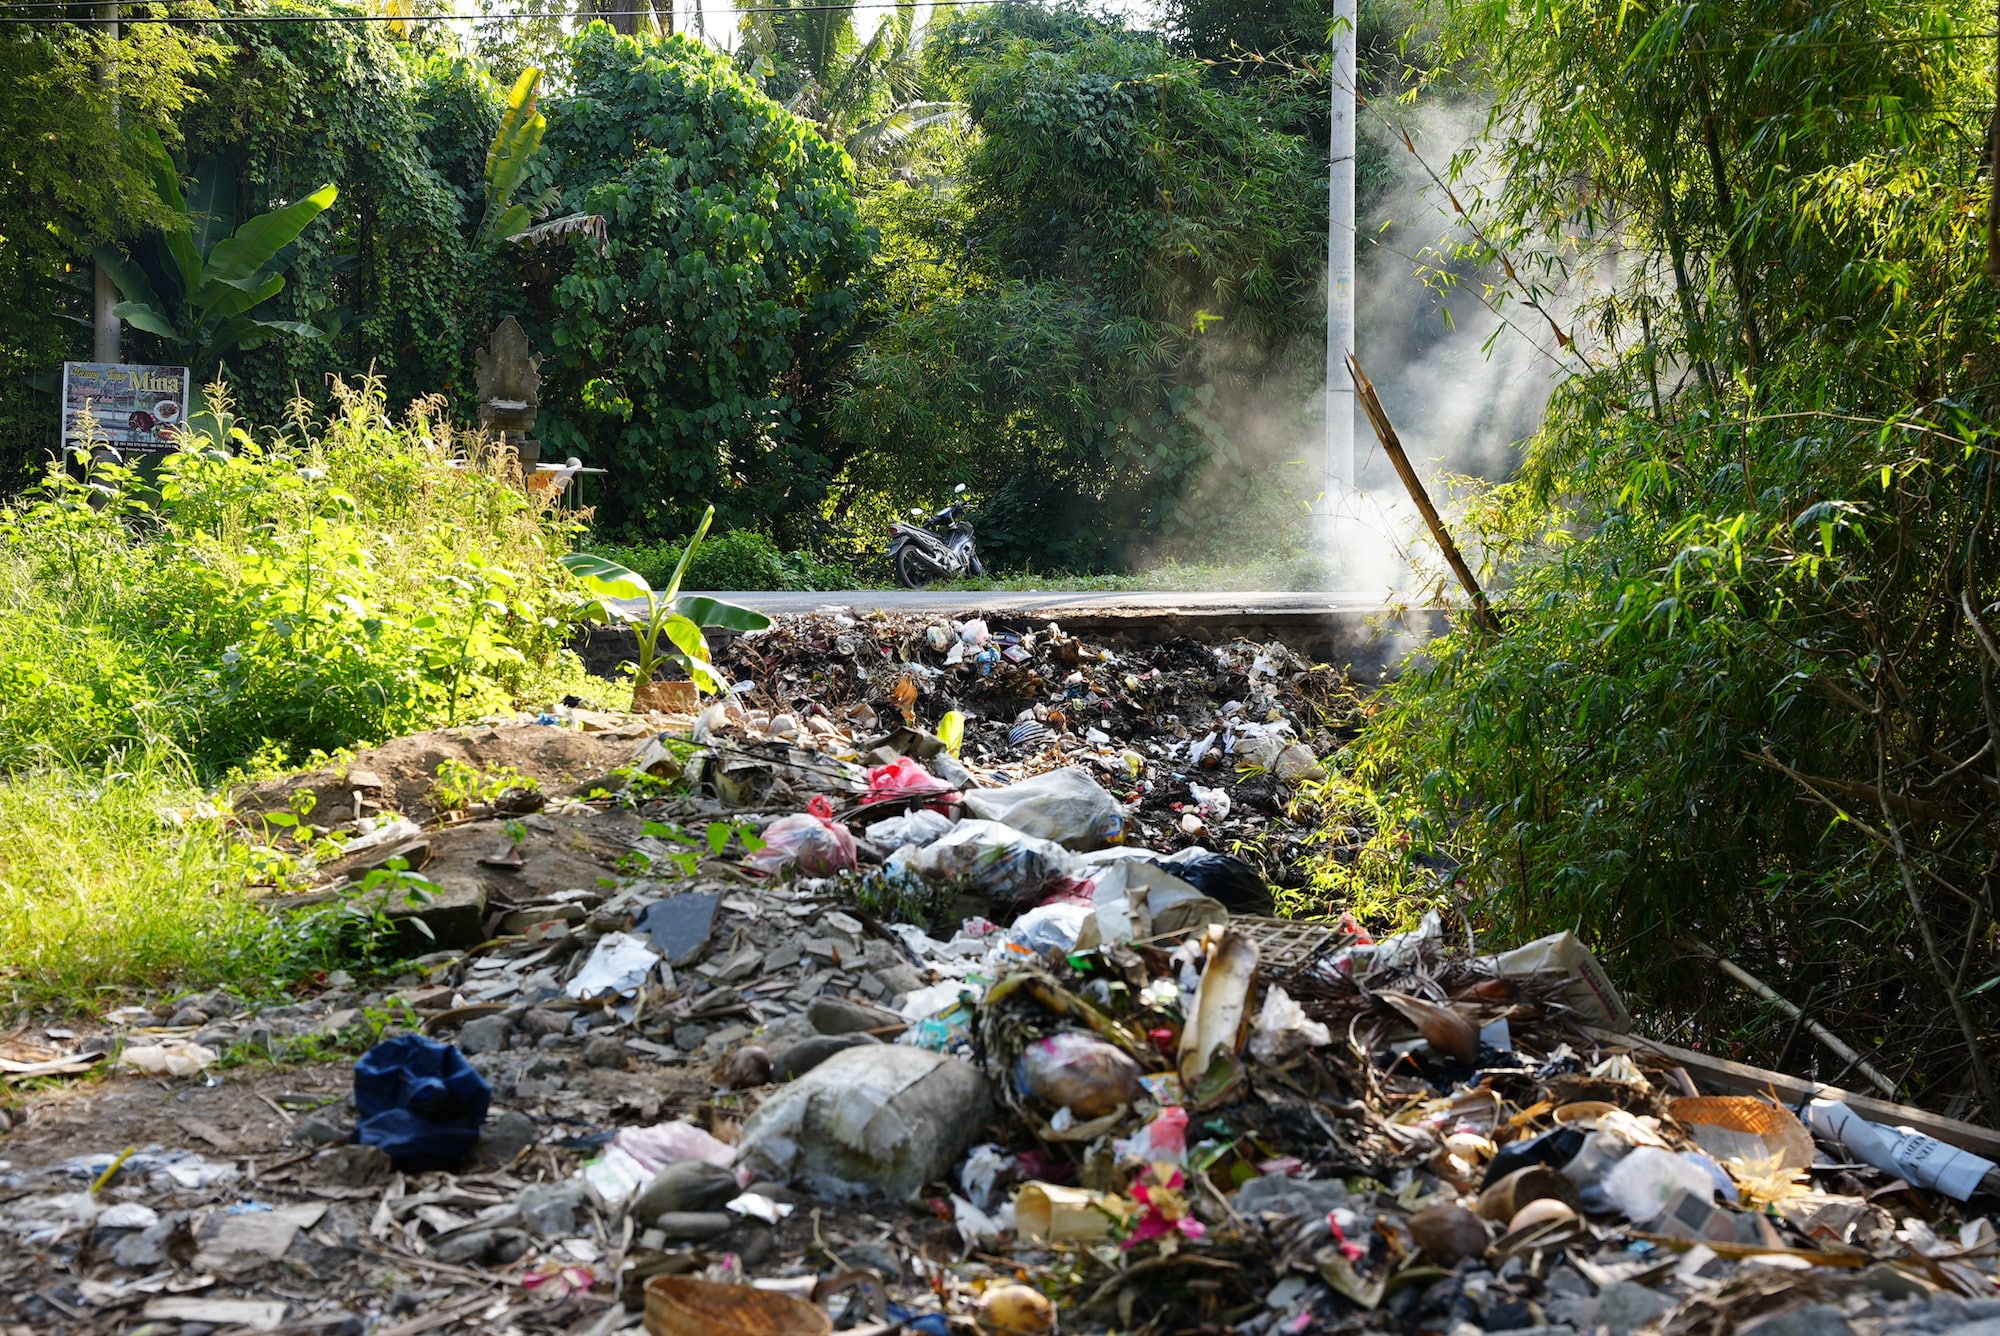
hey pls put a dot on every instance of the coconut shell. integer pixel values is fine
(1446, 1234)
(1444, 1028)
(1504, 1197)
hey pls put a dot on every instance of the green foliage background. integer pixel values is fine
(1745, 693)
(1066, 264)
(691, 356)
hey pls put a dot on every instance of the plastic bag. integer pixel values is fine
(174, 1059)
(618, 964)
(1281, 1031)
(1078, 1072)
(1000, 862)
(1066, 806)
(1641, 1184)
(1162, 1141)
(1224, 878)
(1136, 898)
(811, 841)
(420, 1101)
(1214, 803)
(918, 827)
(876, 1121)
(1902, 1151)
(901, 778)
(1050, 927)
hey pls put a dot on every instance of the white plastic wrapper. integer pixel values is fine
(619, 964)
(1902, 1151)
(1282, 1031)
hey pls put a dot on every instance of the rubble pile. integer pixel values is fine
(1204, 744)
(848, 1004)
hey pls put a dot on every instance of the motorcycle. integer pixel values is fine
(920, 555)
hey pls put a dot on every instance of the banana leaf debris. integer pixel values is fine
(933, 982)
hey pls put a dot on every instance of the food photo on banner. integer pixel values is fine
(131, 407)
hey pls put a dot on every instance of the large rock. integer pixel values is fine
(880, 1120)
(453, 909)
(689, 1186)
(552, 1210)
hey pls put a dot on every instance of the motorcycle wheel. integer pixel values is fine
(973, 566)
(912, 571)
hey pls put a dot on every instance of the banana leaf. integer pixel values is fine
(604, 577)
(705, 611)
(254, 244)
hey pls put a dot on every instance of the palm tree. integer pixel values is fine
(864, 96)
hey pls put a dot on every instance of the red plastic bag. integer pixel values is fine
(812, 841)
(902, 778)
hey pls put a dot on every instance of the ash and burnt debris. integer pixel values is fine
(807, 1016)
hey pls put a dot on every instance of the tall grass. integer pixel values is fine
(340, 583)
(332, 585)
(111, 876)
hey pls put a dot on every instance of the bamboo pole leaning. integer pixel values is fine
(1392, 444)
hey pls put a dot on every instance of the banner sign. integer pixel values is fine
(134, 407)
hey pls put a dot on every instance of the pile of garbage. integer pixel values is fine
(850, 1011)
(1203, 744)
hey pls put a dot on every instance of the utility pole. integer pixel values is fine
(104, 297)
(1339, 468)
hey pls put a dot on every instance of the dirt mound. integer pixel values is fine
(402, 776)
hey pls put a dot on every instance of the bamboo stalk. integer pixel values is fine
(1840, 1047)
(1364, 390)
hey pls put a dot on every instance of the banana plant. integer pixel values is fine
(199, 283)
(507, 161)
(676, 616)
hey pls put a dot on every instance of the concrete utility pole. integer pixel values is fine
(1339, 479)
(104, 325)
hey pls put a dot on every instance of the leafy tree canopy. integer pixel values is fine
(1131, 255)
(690, 353)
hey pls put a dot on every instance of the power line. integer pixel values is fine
(190, 20)
(1778, 42)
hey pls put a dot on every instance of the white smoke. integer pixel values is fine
(1462, 386)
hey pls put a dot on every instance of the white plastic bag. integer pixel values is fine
(1066, 806)
(618, 964)
(919, 827)
(1641, 1184)
(1281, 1031)
(1002, 863)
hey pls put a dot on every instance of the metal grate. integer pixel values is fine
(1286, 945)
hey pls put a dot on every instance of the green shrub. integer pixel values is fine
(339, 586)
(741, 559)
(695, 352)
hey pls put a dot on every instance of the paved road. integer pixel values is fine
(1351, 628)
(1056, 602)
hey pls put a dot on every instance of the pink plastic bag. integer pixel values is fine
(902, 778)
(663, 1144)
(812, 841)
